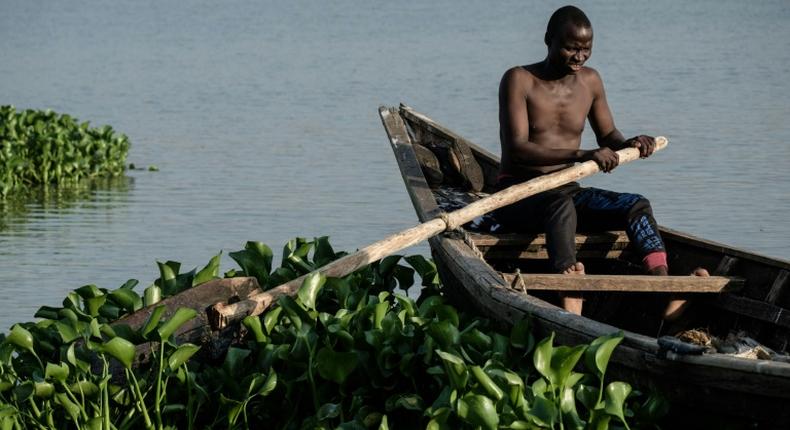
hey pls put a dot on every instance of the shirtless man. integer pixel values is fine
(542, 111)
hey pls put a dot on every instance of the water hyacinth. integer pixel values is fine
(356, 352)
(46, 148)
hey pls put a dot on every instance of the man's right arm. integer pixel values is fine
(514, 125)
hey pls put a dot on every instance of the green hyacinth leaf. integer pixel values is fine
(271, 318)
(66, 331)
(336, 366)
(153, 321)
(21, 337)
(488, 385)
(543, 412)
(43, 390)
(127, 299)
(152, 295)
(268, 385)
(94, 304)
(310, 288)
(614, 403)
(324, 253)
(167, 277)
(444, 333)
(47, 312)
(570, 415)
(563, 361)
(121, 349)
(208, 273)
(654, 408)
(479, 411)
(597, 356)
(253, 324)
(521, 335)
(180, 318)
(58, 372)
(71, 408)
(234, 360)
(455, 368)
(181, 355)
(89, 291)
(542, 358)
(85, 388)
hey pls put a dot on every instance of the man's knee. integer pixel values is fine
(561, 208)
(640, 207)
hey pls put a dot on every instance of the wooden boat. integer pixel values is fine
(495, 273)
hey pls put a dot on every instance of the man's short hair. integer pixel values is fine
(563, 15)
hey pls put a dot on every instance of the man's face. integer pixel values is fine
(571, 47)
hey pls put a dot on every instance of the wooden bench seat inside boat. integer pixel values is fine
(624, 283)
(609, 244)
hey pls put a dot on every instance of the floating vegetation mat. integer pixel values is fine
(43, 147)
(356, 352)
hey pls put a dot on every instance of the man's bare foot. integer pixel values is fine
(676, 307)
(572, 301)
(574, 269)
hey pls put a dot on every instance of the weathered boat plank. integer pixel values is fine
(630, 283)
(711, 382)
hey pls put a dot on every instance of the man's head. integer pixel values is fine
(569, 38)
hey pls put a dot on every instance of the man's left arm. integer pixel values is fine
(602, 122)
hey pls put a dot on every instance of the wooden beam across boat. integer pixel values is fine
(624, 283)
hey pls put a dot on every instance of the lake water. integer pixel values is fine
(262, 118)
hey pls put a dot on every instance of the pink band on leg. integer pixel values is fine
(654, 260)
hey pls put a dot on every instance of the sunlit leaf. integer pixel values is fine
(127, 299)
(563, 360)
(253, 324)
(153, 321)
(152, 295)
(568, 407)
(121, 349)
(211, 271)
(308, 291)
(20, 337)
(167, 276)
(597, 356)
(71, 408)
(181, 355)
(614, 403)
(455, 368)
(490, 387)
(180, 318)
(58, 372)
(542, 358)
(479, 411)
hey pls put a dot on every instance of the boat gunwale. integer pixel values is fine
(426, 205)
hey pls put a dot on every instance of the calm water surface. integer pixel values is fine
(262, 117)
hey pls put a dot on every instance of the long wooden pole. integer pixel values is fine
(221, 315)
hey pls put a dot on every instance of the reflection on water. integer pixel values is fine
(90, 195)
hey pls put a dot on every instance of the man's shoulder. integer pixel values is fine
(519, 75)
(590, 76)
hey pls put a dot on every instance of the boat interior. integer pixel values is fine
(751, 303)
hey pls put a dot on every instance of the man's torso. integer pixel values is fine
(557, 111)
